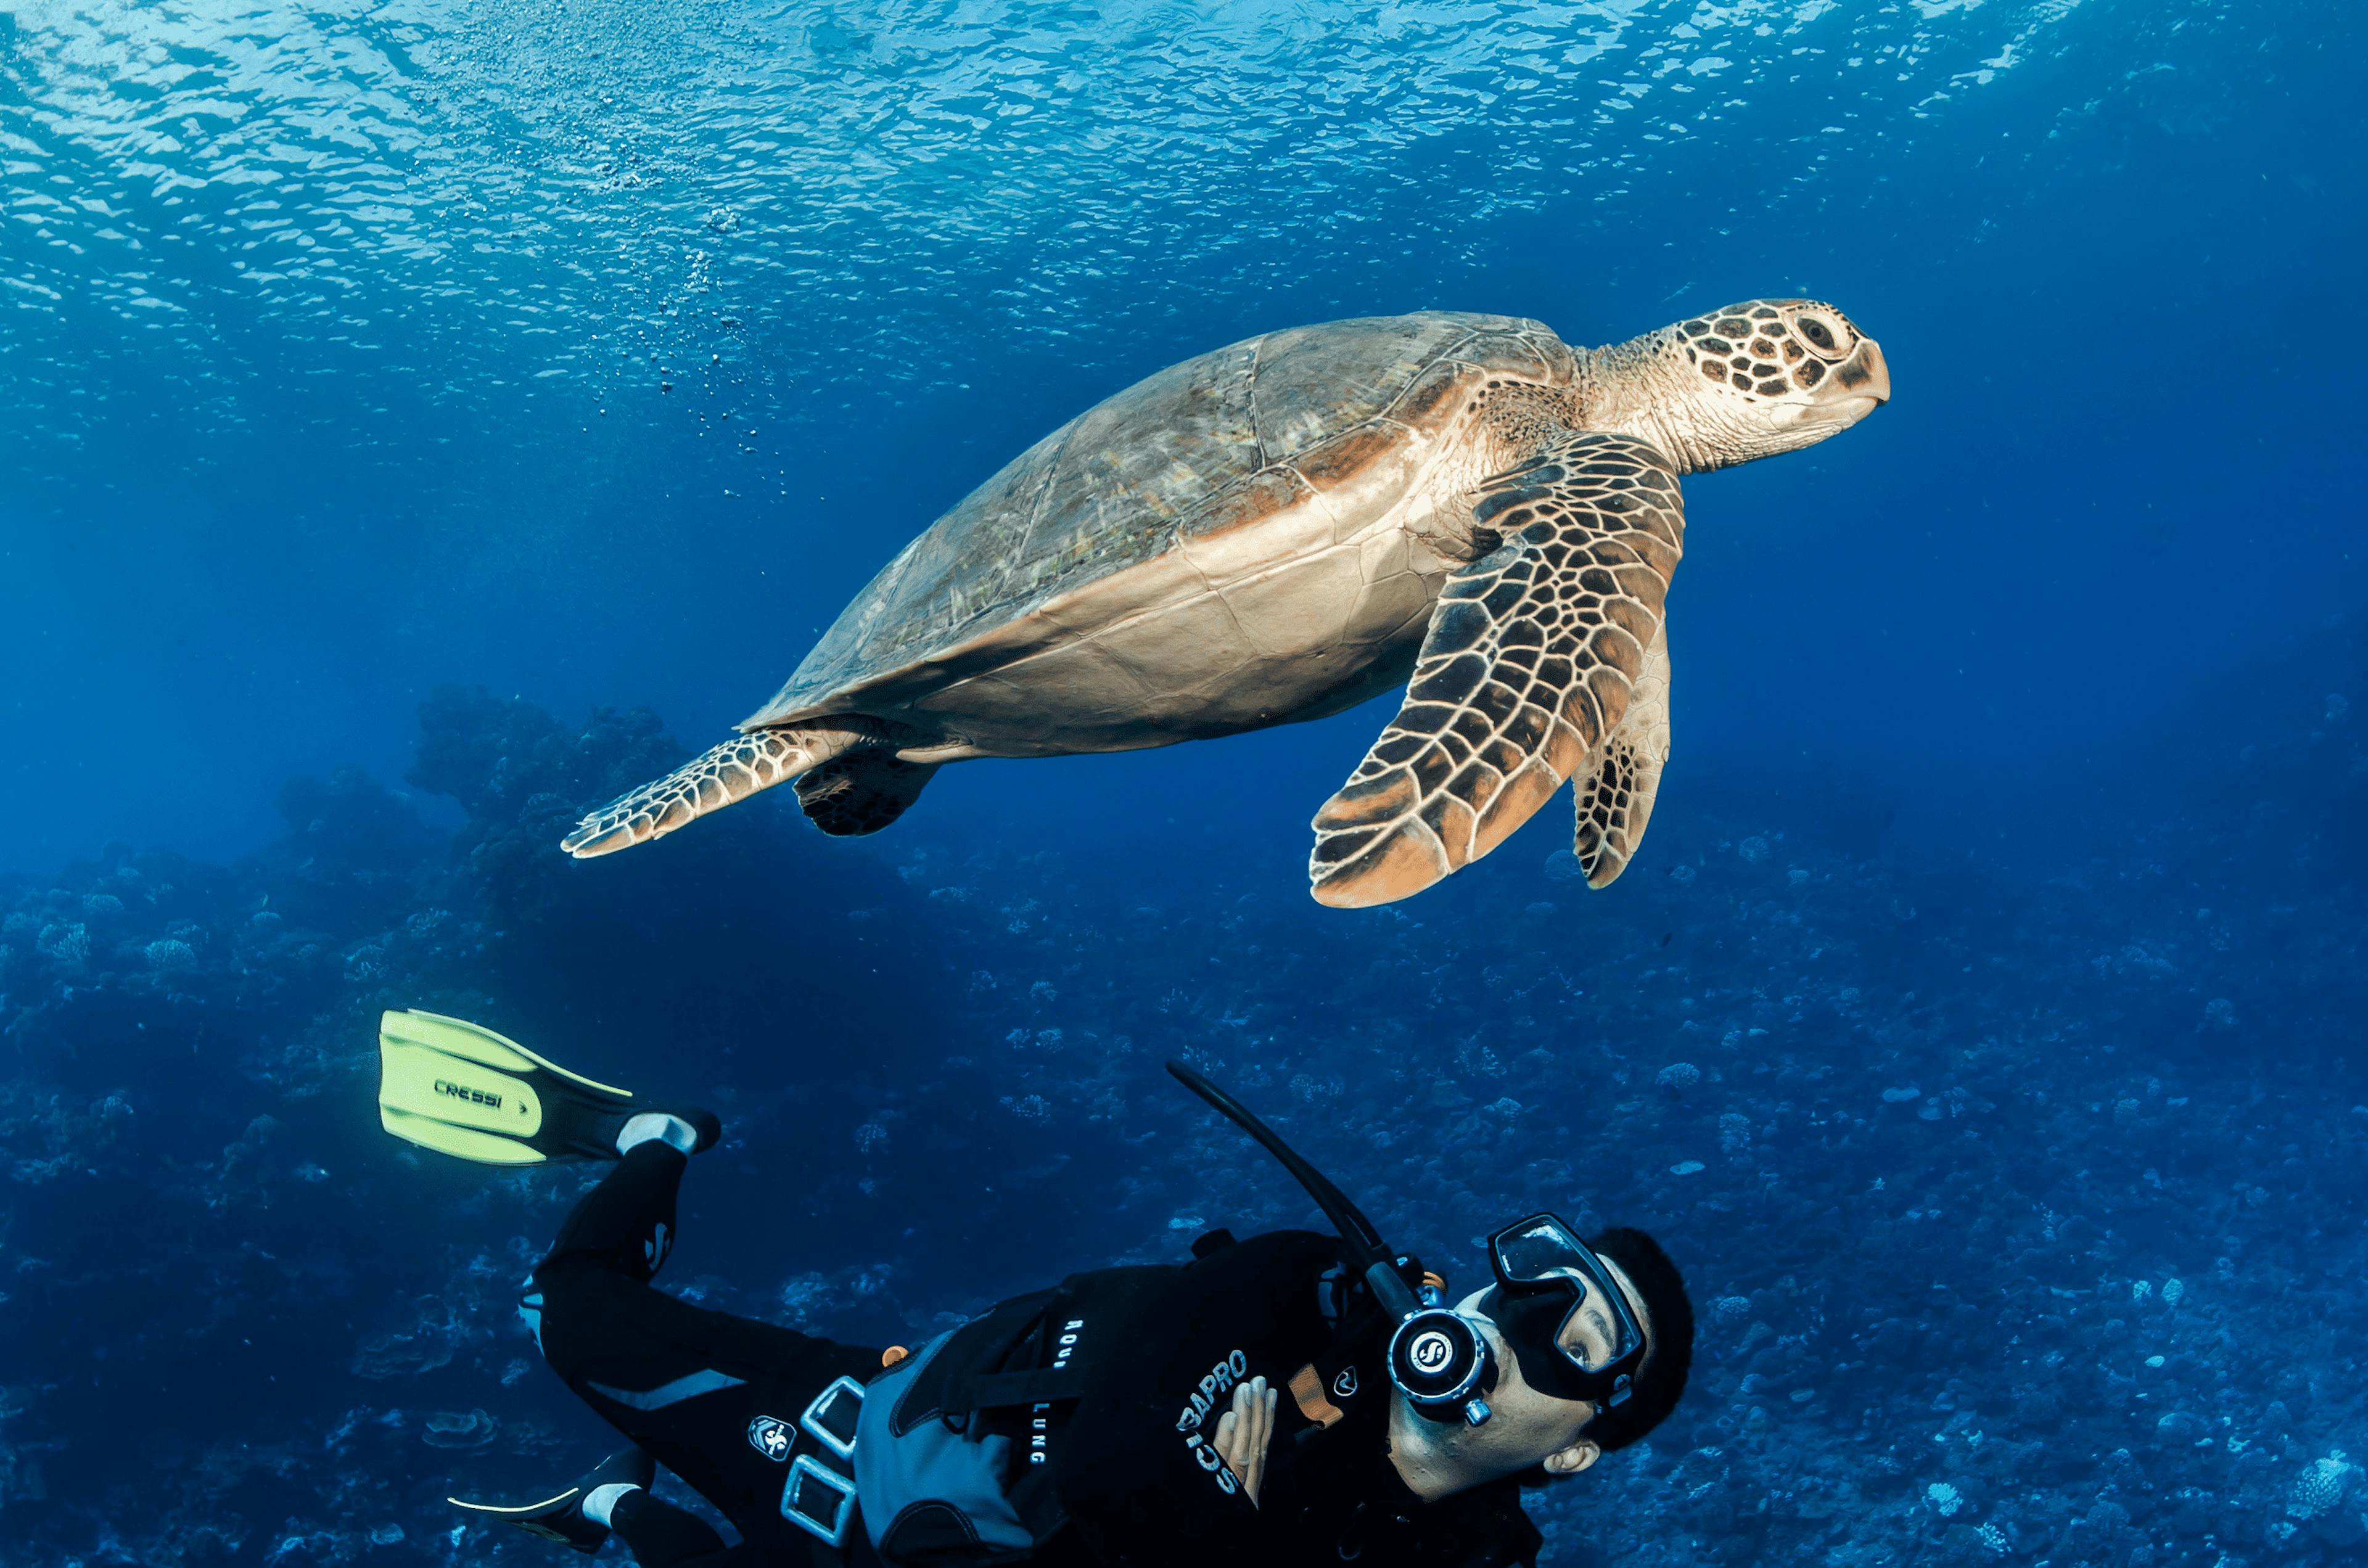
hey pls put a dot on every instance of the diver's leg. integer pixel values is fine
(626, 1223)
(663, 1536)
(713, 1397)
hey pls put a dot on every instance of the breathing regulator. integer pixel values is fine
(1437, 1358)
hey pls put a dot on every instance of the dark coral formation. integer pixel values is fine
(2022, 1198)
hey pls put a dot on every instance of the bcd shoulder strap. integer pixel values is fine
(1040, 1349)
(933, 1390)
(1076, 1328)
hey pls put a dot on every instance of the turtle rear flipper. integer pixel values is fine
(1534, 656)
(861, 791)
(732, 771)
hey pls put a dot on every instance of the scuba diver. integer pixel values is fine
(1291, 1396)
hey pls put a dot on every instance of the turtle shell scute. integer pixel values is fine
(1203, 447)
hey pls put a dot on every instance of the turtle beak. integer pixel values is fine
(1864, 374)
(1851, 391)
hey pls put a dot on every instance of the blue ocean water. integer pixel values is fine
(418, 422)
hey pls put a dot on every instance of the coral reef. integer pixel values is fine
(2023, 1201)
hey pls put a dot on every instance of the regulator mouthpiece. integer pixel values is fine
(1438, 1360)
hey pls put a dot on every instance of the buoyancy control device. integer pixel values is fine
(949, 1448)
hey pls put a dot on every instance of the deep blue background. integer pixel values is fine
(2005, 902)
(334, 339)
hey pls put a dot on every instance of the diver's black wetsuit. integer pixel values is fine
(1130, 1460)
(682, 1381)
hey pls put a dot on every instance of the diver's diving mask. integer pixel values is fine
(1544, 1275)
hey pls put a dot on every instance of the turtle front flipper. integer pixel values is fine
(1615, 799)
(732, 771)
(1535, 655)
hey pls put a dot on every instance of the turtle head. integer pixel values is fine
(1750, 381)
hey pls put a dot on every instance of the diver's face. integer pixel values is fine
(1525, 1426)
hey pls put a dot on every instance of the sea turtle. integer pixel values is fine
(1283, 529)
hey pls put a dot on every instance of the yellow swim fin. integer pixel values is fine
(460, 1089)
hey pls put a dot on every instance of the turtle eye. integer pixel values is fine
(1821, 336)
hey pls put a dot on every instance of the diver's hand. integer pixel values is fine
(1244, 1432)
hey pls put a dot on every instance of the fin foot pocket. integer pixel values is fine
(560, 1516)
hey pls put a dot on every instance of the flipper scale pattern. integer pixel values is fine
(730, 772)
(1534, 657)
